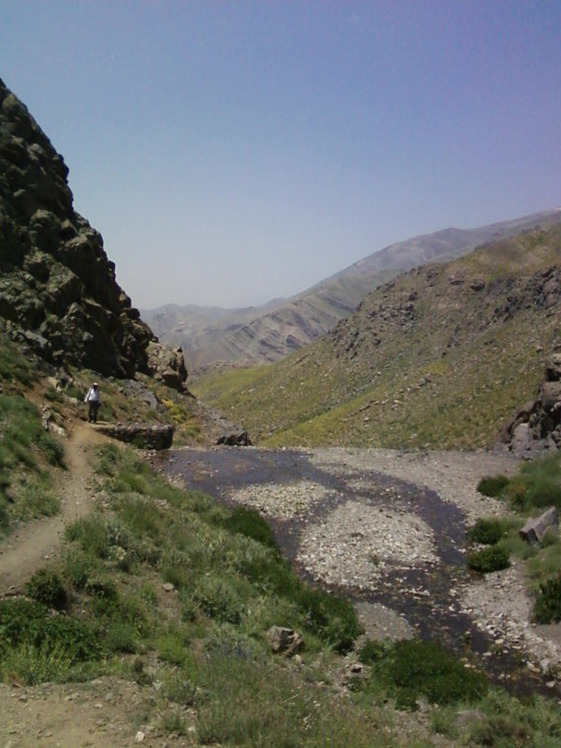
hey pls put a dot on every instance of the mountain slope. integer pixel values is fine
(58, 291)
(438, 357)
(268, 334)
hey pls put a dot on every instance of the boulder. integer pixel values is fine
(535, 528)
(166, 363)
(284, 640)
(142, 435)
(235, 439)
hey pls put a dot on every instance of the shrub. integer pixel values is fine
(409, 669)
(538, 485)
(46, 587)
(489, 559)
(487, 531)
(547, 608)
(23, 622)
(78, 568)
(35, 498)
(250, 523)
(331, 618)
(52, 449)
(217, 599)
(492, 485)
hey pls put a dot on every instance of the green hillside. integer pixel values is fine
(438, 358)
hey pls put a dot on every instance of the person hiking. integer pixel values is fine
(93, 398)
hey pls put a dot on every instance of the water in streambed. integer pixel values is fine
(425, 595)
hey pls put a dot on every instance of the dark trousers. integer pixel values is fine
(92, 410)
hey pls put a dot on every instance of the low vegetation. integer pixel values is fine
(102, 608)
(26, 450)
(536, 487)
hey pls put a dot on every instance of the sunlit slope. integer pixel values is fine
(437, 358)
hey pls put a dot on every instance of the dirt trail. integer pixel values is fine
(26, 549)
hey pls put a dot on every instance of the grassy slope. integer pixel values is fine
(423, 362)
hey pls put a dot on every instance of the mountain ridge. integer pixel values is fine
(439, 357)
(268, 334)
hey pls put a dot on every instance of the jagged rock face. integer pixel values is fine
(58, 291)
(536, 426)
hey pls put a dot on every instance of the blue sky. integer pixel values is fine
(233, 152)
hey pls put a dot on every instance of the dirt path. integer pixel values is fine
(27, 549)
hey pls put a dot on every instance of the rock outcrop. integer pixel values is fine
(142, 435)
(235, 438)
(166, 364)
(536, 426)
(58, 291)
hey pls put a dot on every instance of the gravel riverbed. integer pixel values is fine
(388, 527)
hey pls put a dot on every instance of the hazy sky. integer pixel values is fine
(232, 152)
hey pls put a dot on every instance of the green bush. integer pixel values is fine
(14, 366)
(52, 449)
(547, 608)
(492, 485)
(487, 531)
(217, 599)
(410, 669)
(250, 523)
(78, 568)
(46, 587)
(24, 622)
(331, 618)
(489, 559)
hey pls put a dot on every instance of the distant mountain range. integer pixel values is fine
(209, 335)
(439, 357)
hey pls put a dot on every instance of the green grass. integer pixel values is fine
(538, 485)
(27, 454)
(201, 652)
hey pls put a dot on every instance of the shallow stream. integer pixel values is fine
(425, 597)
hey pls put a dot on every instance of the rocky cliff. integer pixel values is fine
(58, 291)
